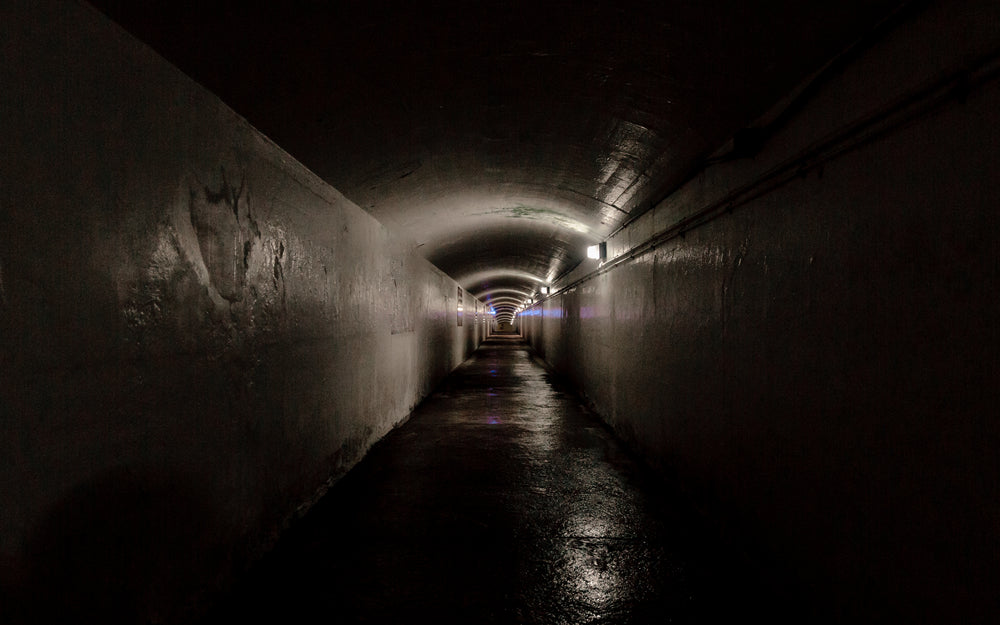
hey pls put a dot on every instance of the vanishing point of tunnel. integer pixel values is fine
(499, 312)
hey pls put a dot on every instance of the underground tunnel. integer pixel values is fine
(740, 256)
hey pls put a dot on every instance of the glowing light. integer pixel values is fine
(598, 252)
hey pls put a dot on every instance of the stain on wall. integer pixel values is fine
(197, 335)
(226, 232)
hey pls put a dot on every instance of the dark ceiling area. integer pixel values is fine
(501, 138)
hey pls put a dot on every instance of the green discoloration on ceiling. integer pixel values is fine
(537, 213)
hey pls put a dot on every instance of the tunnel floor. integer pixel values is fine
(501, 500)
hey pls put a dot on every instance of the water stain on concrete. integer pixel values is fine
(226, 229)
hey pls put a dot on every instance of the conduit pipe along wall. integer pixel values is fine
(815, 356)
(196, 333)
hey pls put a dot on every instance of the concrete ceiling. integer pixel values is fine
(501, 137)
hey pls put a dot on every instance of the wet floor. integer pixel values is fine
(501, 500)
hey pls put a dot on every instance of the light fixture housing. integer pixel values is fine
(598, 252)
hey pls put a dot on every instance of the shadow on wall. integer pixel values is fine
(116, 549)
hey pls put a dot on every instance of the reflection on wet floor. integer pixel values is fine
(502, 500)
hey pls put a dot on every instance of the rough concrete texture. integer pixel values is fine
(818, 367)
(196, 333)
(503, 137)
(502, 500)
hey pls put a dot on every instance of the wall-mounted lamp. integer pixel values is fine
(545, 290)
(598, 252)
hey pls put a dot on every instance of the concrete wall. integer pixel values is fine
(807, 340)
(196, 334)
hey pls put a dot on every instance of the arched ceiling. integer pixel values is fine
(500, 137)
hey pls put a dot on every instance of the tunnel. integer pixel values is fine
(741, 257)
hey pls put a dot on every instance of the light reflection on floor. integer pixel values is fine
(595, 580)
(593, 526)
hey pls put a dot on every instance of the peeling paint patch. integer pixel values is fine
(164, 258)
(278, 273)
(153, 290)
(226, 229)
